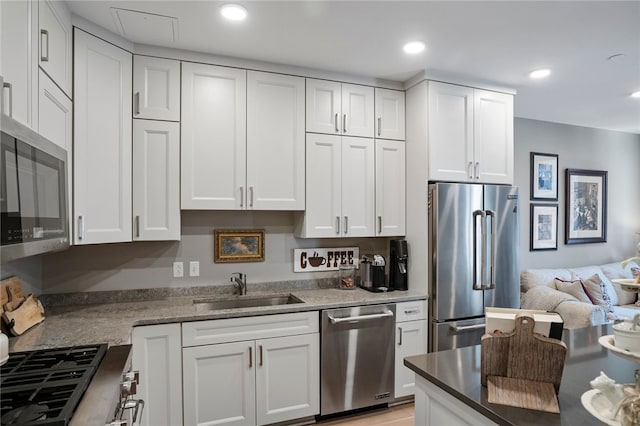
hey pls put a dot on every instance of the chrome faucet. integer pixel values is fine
(239, 282)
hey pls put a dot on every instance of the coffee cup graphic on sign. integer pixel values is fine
(316, 260)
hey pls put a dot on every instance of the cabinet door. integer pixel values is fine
(390, 188)
(55, 122)
(275, 141)
(156, 180)
(102, 141)
(357, 110)
(213, 137)
(287, 378)
(411, 339)
(323, 186)
(390, 114)
(18, 67)
(324, 106)
(219, 384)
(450, 116)
(493, 137)
(358, 187)
(156, 88)
(157, 355)
(55, 42)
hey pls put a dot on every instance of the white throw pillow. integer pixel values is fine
(574, 288)
(597, 292)
(589, 271)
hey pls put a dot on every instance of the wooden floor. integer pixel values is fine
(400, 415)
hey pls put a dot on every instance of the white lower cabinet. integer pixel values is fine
(411, 339)
(157, 355)
(263, 370)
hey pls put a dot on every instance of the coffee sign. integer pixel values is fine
(323, 259)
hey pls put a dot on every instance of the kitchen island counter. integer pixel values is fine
(453, 377)
(111, 323)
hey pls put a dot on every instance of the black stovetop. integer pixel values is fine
(44, 387)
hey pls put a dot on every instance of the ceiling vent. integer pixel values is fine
(146, 28)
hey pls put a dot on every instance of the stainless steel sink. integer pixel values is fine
(244, 302)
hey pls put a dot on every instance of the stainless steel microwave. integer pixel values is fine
(33, 193)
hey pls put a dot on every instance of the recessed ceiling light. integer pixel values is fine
(233, 12)
(541, 73)
(636, 94)
(414, 47)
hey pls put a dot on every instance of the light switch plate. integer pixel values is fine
(194, 268)
(178, 269)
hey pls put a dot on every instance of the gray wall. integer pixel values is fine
(582, 148)
(149, 264)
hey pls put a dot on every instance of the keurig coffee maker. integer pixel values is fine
(398, 265)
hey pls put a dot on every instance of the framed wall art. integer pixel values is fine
(238, 245)
(586, 206)
(544, 177)
(544, 227)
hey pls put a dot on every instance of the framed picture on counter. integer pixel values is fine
(586, 206)
(544, 227)
(544, 177)
(238, 245)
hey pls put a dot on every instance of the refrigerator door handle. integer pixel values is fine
(456, 329)
(478, 283)
(492, 283)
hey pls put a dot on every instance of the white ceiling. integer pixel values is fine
(489, 42)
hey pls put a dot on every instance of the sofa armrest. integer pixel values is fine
(574, 313)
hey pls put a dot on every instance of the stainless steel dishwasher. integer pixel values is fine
(357, 357)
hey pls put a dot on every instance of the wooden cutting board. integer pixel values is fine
(521, 393)
(25, 316)
(523, 354)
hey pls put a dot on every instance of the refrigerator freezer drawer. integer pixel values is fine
(455, 334)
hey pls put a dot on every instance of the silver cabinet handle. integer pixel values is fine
(43, 58)
(466, 328)
(137, 226)
(355, 318)
(80, 227)
(242, 196)
(344, 123)
(346, 225)
(476, 170)
(260, 347)
(336, 122)
(250, 357)
(379, 125)
(338, 225)
(469, 169)
(379, 224)
(137, 97)
(251, 196)
(400, 334)
(10, 87)
(411, 311)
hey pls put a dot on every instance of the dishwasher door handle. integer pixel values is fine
(335, 320)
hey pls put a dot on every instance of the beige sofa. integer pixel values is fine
(539, 291)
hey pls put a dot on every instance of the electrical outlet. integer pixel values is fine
(178, 269)
(194, 268)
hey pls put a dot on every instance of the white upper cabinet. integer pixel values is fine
(275, 142)
(358, 187)
(493, 136)
(102, 141)
(470, 134)
(55, 42)
(18, 64)
(156, 88)
(156, 180)
(213, 137)
(390, 113)
(339, 108)
(390, 188)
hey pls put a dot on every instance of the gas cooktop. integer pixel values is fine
(44, 387)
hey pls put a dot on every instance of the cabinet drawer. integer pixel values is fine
(409, 311)
(248, 328)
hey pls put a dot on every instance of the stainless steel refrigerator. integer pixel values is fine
(473, 250)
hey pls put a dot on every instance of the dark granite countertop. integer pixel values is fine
(457, 372)
(111, 323)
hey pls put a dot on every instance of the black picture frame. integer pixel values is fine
(543, 233)
(544, 176)
(585, 206)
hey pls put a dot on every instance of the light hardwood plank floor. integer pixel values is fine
(399, 415)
